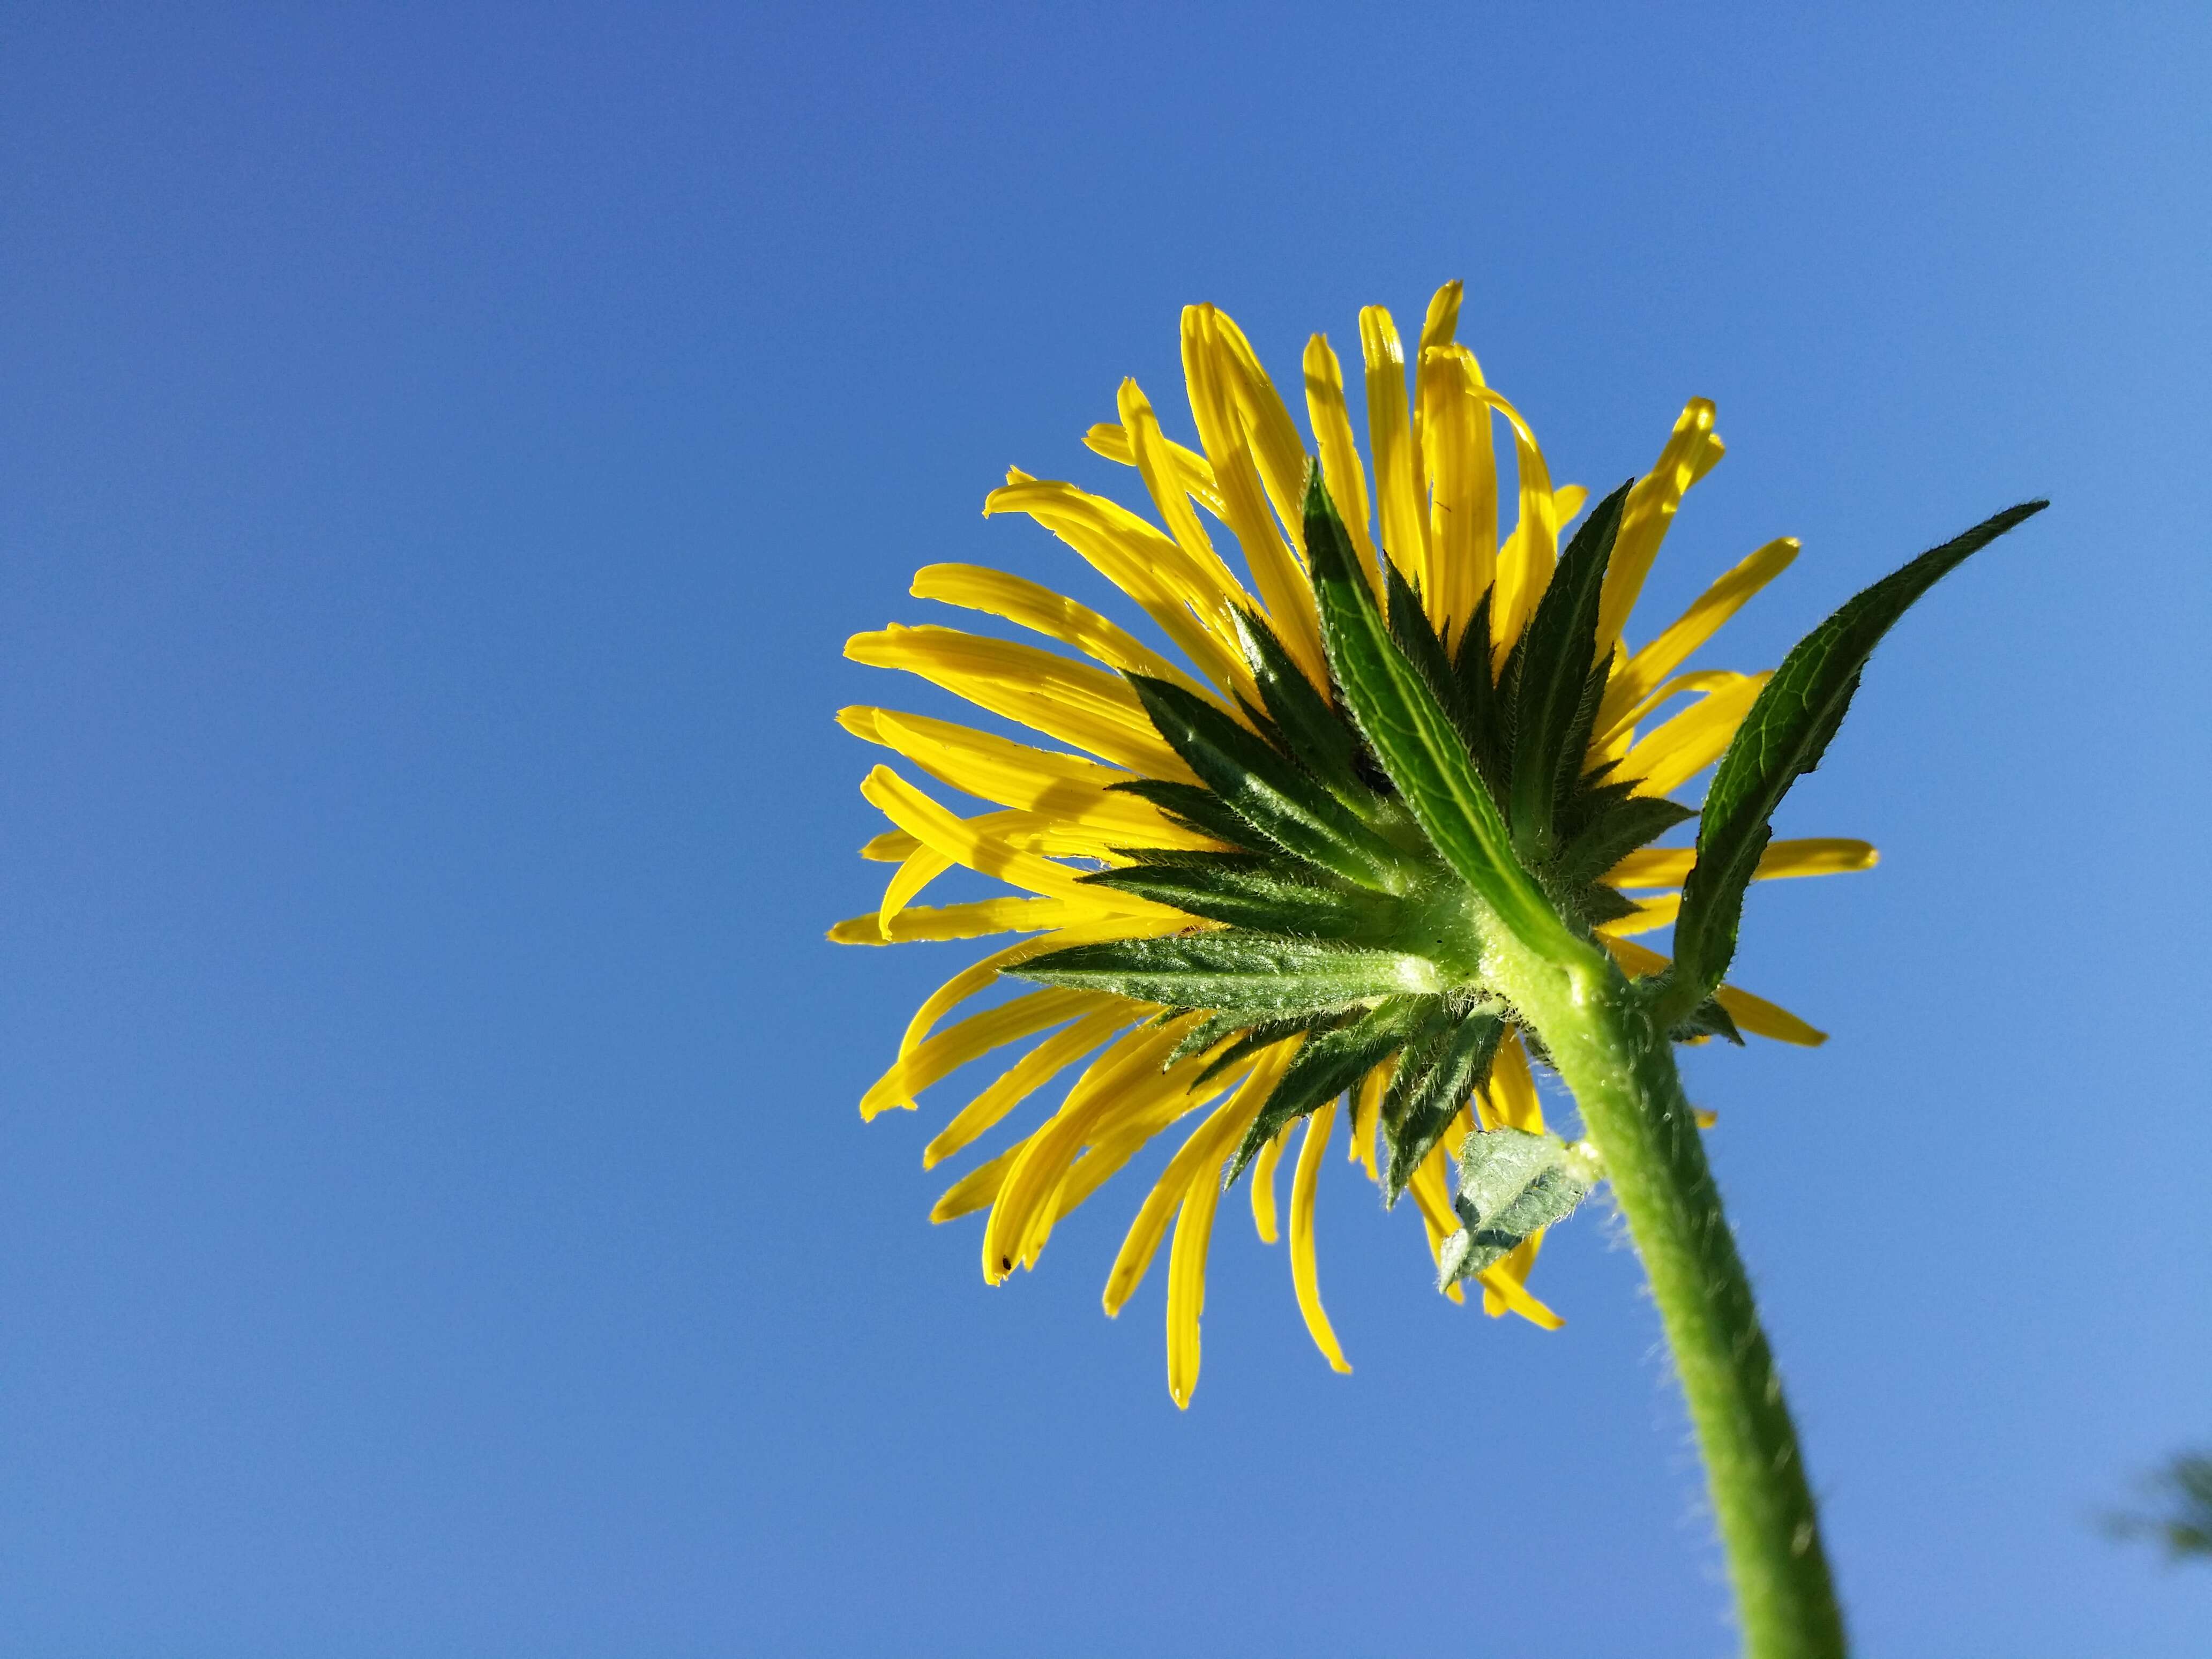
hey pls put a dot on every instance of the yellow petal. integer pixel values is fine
(1654, 662)
(923, 865)
(1811, 855)
(1209, 373)
(998, 915)
(977, 1035)
(1341, 469)
(1304, 1182)
(1137, 558)
(1690, 451)
(1398, 483)
(1752, 1014)
(1193, 472)
(1027, 1075)
(1367, 1112)
(1063, 699)
(1035, 606)
(1277, 449)
(1462, 472)
(1263, 1184)
(1201, 1153)
(1509, 1097)
(1193, 1232)
(1693, 740)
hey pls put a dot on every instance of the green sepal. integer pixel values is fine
(1265, 894)
(1414, 736)
(1264, 1035)
(1481, 707)
(1783, 738)
(1268, 791)
(1556, 683)
(1511, 1182)
(1605, 823)
(1707, 1020)
(1215, 1030)
(1232, 971)
(1313, 733)
(1434, 1078)
(1326, 1065)
(1197, 808)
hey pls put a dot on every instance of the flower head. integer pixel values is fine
(1234, 919)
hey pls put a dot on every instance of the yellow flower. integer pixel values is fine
(1431, 508)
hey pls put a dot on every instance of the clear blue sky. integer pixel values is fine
(443, 451)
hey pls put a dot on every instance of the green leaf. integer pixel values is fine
(1414, 737)
(1604, 825)
(1234, 972)
(1313, 733)
(1553, 699)
(1784, 736)
(1265, 1033)
(1268, 894)
(1481, 709)
(1510, 1183)
(1266, 790)
(1432, 1083)
(1196, 808)
(1326, 1064)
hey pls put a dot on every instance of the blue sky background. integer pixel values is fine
(443, 452)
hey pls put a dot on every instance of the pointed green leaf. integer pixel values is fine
(1413, 735)
(1265, 789)
(1265, 894)
(1316, 735)
(1781, 738)
(1605, 824)
(1552, 686)
(1233, 971)
(1197, 808)
(1481, 709)
(1431, 1085)
(1326, 1064)
(1510, 1183)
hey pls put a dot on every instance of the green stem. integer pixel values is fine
(1603, 1038)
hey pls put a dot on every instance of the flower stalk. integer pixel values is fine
(1610, 1051)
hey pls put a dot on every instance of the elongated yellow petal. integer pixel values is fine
(1000, 916)
(1203, 568)
(975, 1037)
(1812, 856)
(1304, 1183)
(1071, 701)
(957, 839)
(1654, 662)
(923, 865)
(1201, 1152)
(976, 1190)
(1649, 916)
(892, 846)
(1137, 558)
(1752, 1014)
(1462, 472)
(1035, 606)
(1763, 1018)
(1277, 450)
(1115, 1142)
(1398, 483)
(1690, 451)
(1027, 1075)
(1367, 1113)
(1193, 1232)
(985, 973)
(1031, 1184)
(1509, 1097)
(1263, 1184)
(1210, 372)
(1692, 740)
(1526, 562)
(1193, 472)
(982, 763)
(1341, 469)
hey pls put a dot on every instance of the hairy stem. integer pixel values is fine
(1603, 1037)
